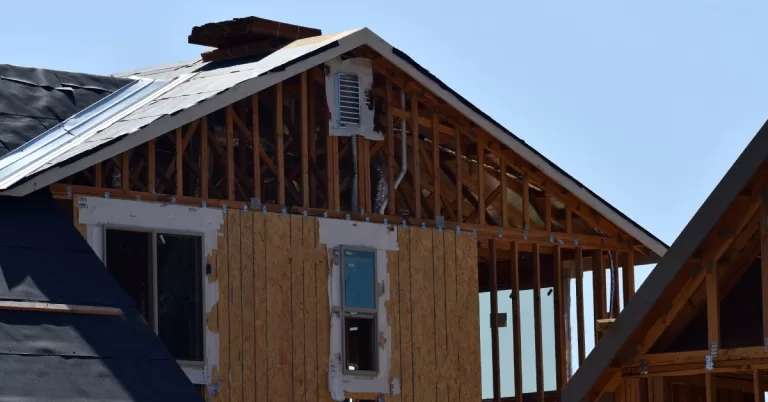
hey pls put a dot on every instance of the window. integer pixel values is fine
(163, 274)
(358, 270)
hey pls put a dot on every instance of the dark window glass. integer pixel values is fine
(130, 262)
(180, 298)
(360, 333)
(359, 279)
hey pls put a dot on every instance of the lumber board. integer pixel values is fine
(494, 295)
(516, 330)
(230, 162)
(459, 187)
(297, 306)
(539, 349)
(422, 280)
(628, 276)
(280, 385)
(59, 308)
(235, 305)
(713, 303)
(416, 171)
(481, 184)
(261, 341)
(248, 288)
(310, 308)
(406, 320)
(323, 320)
(222, 274)
(441, 322)
(579, 260)
(467, 282)
(304, 142)
(436, 163)
(559, 318)
(280, 149)
(256, 146)
(390, 149)
(452, 315)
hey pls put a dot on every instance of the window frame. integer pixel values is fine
(195, 364)
(372, 314)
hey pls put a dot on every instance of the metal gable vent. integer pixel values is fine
(348, 99)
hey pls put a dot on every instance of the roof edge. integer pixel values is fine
(355, 38)
(666, 271)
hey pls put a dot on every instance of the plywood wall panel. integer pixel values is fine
(248, 285)
(280, 378)
(235, 306)
(406, 320)
(222, 275)
(261, 340)
(323, 321)
(469, 321)
(297, 307)
(451, 315)
(441, 329)
(310, 261)
(393, 319)
(422, 295)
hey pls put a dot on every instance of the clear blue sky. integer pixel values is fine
(647, 103)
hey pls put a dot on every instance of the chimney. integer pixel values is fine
(248, 36)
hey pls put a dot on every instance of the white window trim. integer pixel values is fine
(99, 213)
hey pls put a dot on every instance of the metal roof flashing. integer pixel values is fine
(76, 130)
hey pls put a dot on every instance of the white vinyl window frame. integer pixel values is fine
(194, 364)
(365, 313)
(97, 213)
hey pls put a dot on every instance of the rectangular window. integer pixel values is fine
(358, 270)
(163, 274)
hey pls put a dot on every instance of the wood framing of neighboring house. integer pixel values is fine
(697, 329)
(249, 153)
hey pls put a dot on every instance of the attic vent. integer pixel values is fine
(348, 99)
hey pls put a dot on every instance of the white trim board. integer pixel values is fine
(345, 43)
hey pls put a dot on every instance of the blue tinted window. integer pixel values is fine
(359, 279)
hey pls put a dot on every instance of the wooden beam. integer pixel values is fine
(598, 288)
(230, 163)
(559, 318)
(459, 187)
(547, 212)
(304, 142)
(628, 276)
(579, 261)
(526, 201)
(481, 183)
(764, 264)
(713, 304)
(503, 181)
(538, 333)
(436, 163)
(710, 387)
(203, 159)
(758, 386)
(256, 145)
(416, 171)
(568, 220)
(391, 149)
(59, 308)
(615, 304)
(280, 150)
(516, 331)
(493, 277)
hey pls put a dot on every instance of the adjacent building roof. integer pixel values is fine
(193, 90)
(67, 356)
(34, 100)
(642, 303)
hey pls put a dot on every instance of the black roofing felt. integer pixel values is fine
(668, 268)
(59, 356)
(32, 100)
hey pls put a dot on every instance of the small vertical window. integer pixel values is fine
(358, 268)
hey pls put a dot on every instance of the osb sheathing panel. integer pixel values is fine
(273, 316)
